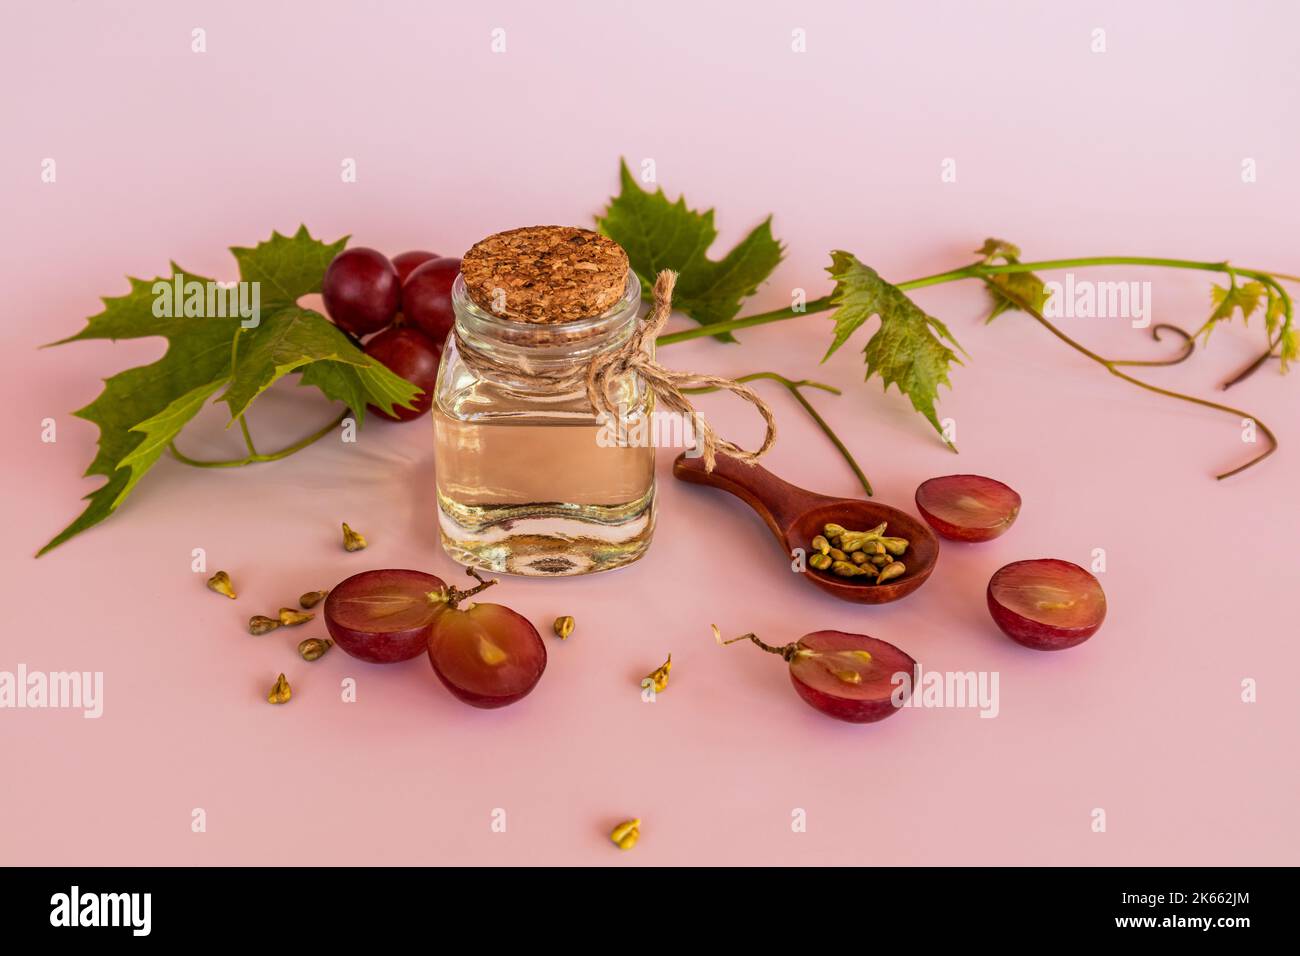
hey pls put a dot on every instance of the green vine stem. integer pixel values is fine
(979, 270)
(248, 438)
(253, 457)
(795, 388)
(983, 271)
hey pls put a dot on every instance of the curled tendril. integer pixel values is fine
(1189, 346)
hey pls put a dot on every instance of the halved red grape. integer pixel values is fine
(426, 297)
(967, 507)
(406, 262)
(414, 356)
(361, 290)
(1046, 604)
(849, 677)
(487, 655)
(385, 616)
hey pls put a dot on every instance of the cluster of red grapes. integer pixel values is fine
(404, 303)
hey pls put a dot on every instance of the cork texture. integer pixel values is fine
(545, 274)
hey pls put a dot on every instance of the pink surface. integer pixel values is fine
(164, 154)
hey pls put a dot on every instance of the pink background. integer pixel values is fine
(163, 153)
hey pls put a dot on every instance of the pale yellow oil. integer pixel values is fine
(541, 497)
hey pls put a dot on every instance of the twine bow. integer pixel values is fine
(634, 356)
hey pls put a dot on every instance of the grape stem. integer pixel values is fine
(253, 456)
(453, 595)
(786, 651)
(795, 388)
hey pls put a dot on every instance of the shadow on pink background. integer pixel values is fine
(166, 154)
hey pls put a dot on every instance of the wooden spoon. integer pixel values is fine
(796, 516)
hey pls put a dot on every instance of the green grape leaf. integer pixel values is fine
(1290, 346)
(907, 349)
(159, 432)
(1025, 286)
(359, 385)
(294, 337)
(338, 382)
(660, 234)
(998, 249)
(1279, 329)
(383, 388)
(198, 351)
(287, 268)
(1274, 314)
(103, 502)
(1233, 298)
(142, 409)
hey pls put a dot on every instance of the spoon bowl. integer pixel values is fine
(795, 516)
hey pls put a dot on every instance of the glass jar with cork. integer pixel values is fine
(546, 403)
(528, 481)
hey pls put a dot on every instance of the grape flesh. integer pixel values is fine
(1046, 604)
(413, 355)
(384, 616)
(967, 507)
(406, 262)
(426, 297)
(486, 655)
(851, 676)
(361, 291)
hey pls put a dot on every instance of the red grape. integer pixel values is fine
(426, 297)
(487, 655)
(1046, 604)
(405, 263)
(967, 507)
(846, 676)
(414, 356)
(361, 291)
(385, 616)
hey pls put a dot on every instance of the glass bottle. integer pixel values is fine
(530, 480)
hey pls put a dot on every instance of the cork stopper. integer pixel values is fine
(545, 274)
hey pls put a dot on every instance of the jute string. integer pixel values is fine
(601, 376)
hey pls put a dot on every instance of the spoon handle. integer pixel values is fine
(776, 501)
